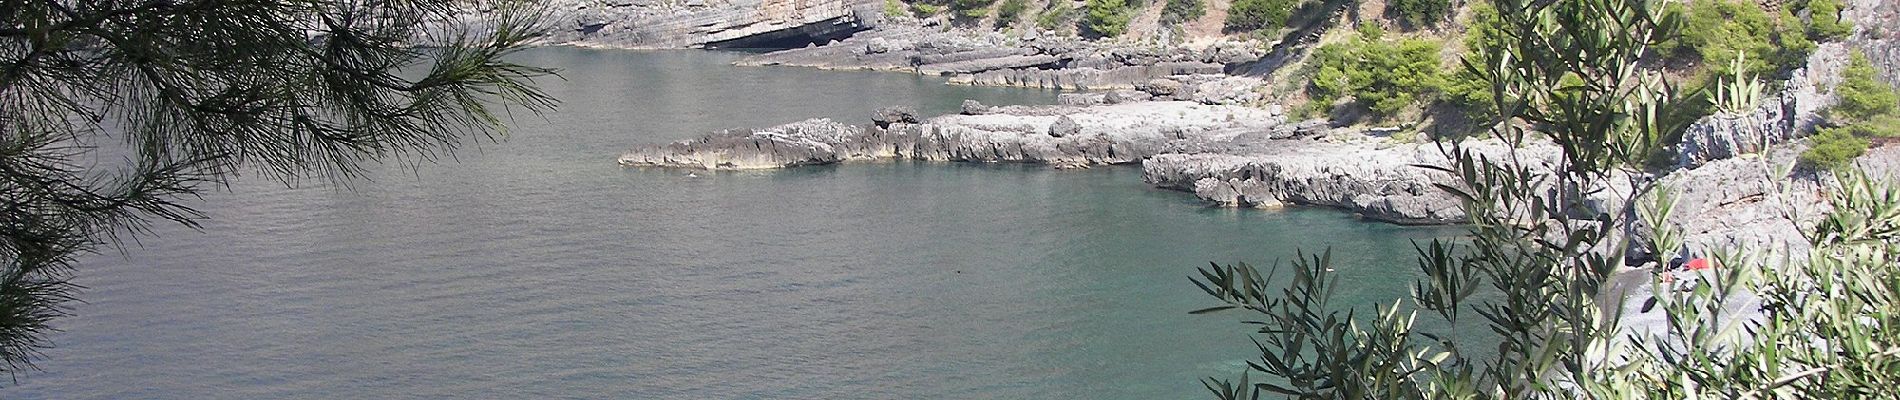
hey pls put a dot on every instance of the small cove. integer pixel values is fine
(537, 268)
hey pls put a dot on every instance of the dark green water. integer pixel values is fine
(536, 268)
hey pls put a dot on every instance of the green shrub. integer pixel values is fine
(1714, 31)
(1465, 88)
(894, 8)
(1385, 76)
(1528, 304)
(1418, 12)
(1010, 11)
(1177, 12)
(1833, 149)
(1253, 15)
(1885, 126)
(1866, 109)
(1058, 16)
(971, 8)
(1825, 23)
(1107, 18)
(925, 10)
(1862, 97)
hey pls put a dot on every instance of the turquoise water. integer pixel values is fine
(537, 268)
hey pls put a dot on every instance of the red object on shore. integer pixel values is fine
(1698, 264)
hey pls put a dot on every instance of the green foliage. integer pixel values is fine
(971, 8)
(1107, 18)
(1465, 87)
(1825, 23)
(1542, 257)
(1059, 16)
(1383, 75)
(1253, 15)
(1177, 12)
(922, 10)
(1418, 12)
(1833, 149)
(188, 95)
(1010, 11)
(1739, 94)
(895, 8)
(1715, 31)
(1866, 110)
(1863, 97)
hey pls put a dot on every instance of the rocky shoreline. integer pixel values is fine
(1064, 136)
(1193, 127)
(1240, 156)
(976, 57)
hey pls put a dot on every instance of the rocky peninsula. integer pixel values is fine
(1200, 117)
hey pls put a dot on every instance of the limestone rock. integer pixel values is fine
(885, 117)
(1781, 117)
(1064, 126)
(1106, 134)
(973, 107)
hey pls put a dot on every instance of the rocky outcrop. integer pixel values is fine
(1058, 135)
(1758, 203)
(1790, 114)
(989, 58)
(1875, 34)
(1752, 203)
(816, 141)
(1376, 180)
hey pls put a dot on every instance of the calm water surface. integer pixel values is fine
(537, 268)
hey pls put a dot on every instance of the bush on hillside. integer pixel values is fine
(1418, 12)
(1833, 149)
(1714, 31)
(1862, 96)
(1010, 11)
(923, 10)
(1253, 15)
(1058, 16)
(1866, 110)
(894, 8)
(1383, 75)
(1177, 12)
(971, 8)
(1107, 18)
(1466, 88)
(1825, 23)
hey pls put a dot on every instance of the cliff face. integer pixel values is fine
(1781, 117)
(706, 23)
(1877, 32)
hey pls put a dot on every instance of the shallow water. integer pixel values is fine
(537, 268)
